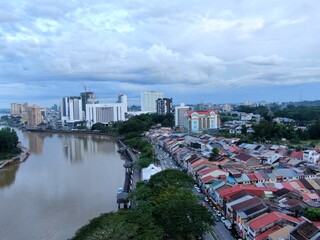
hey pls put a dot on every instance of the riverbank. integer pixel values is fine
(23, 156)
(86, 132)
(132, 173)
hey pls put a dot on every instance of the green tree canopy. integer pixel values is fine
(171, 177)
(8, 143)
(312, 214)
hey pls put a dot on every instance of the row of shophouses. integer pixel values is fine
(261, 189)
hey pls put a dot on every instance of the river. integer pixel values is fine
(67, 180)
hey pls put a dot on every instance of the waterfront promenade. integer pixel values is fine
(133, 173)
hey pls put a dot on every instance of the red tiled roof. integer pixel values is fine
(264, 235)
(296, 154)
(232, 190)
(233, 149)
(200, 162)
(245, 203)
(223, 177)
(258, 176)
(243, 157)
(269, 218)
(287, 185)
(208, 179)
(252, 177)
(206, 171)
(317, 224)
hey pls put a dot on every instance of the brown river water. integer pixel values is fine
(68, 180)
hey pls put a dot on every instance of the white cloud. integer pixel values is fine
(216, 44)
(262, 60)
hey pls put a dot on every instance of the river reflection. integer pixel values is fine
(8, 175)
(58, 189)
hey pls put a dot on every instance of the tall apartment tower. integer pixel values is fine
(71, 109)
(122, 98)
(34, 116)
(85, 97)
(148, 101)
(164, 106)
(179, 112)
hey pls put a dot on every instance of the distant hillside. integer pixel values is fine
(305, 103)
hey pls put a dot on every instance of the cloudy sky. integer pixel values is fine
(208, 50)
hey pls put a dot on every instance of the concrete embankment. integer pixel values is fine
(25, 153)
(133, 174)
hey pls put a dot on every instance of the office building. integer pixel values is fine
(122, 98)
(85, 96)
(34, 117)
(164, 106)
(148, 101)
(179, 112)
(71, 110)
(105, 113)
(198, 121)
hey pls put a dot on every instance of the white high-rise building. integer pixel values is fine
(104, 113)
(122, 98)
(179, 112)
(148, 101)
(71, 110)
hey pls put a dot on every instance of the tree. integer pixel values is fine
(312, 214)
(183, 219)
(171, 177)
(136, 224)
(215, 151)
(244, 130)
(8, 143)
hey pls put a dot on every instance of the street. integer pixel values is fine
(219, 229)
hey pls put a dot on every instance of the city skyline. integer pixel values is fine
(209, 52)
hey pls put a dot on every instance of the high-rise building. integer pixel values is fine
(34, 116)
(179, 112)
(85, 98)
(17, 109)
(164, 106)
(71, 110)
(226, 107)
(148, 101)
(122, 98)
(197, 121)
(104, 113)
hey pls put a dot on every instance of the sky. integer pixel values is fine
(193, 51)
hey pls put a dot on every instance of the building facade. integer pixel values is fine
(197, 121)
(164, 106)
(71, 110)
(179, 112)
(85, 97)
(148, 101)
(34, 117)
(104, 113)
(122, 98)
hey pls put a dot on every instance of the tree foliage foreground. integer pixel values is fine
(166, 206)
